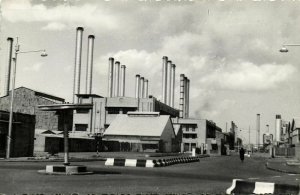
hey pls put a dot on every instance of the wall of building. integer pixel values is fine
(26, 102)
(168, 137)
(22, 134)
(105, 110)
(132, 143)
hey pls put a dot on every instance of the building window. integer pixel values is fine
(125, 110)
(82, 111)
(186, 127)
(189, 136)
(193, 128)
(81, 127)
(112, 110)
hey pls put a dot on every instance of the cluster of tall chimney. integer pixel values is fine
(116, 80)
(184, 102)
(168, 81)
(168, 88)
(77, 68)
(141, 87)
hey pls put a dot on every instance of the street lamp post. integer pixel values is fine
(284, 47)
(17, 51)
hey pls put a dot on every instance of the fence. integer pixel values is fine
(284, 151)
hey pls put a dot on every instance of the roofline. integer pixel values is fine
(89, 95)
(57, 107)
(46, 95)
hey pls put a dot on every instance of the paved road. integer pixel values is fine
(210, 175)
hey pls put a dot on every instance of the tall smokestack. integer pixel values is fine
(123, 73)
(181, 100)
(110, 76)
(8, 68)
(77, 68)
(142, 87)
(164, 79)
(278, 125)
(188, 98)
(137, 86)
(169, 73)
(258, 129)
(89, 67)
(146, 92)
(172, 85)
(117, 79)
(185, 98)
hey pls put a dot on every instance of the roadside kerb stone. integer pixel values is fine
(150, 163)
(240, 186)
(65, 170)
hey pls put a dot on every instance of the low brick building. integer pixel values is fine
(22, 136)
(26, 101)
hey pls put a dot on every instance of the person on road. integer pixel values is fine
(242, 154)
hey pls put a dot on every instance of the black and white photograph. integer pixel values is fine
(149, 97)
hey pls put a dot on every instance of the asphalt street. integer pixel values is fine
(211, 175)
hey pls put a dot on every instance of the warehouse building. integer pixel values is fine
(142, 132)
(26, 101)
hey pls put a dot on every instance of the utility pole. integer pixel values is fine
(249, 135)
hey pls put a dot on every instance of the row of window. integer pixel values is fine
(189, 127)
(189, 136)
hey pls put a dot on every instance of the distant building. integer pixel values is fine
(142, 131)
(26, 101)
(295, 132)
(198, 133)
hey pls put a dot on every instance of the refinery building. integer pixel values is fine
(139, 123)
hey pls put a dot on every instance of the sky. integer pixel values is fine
(228, 49)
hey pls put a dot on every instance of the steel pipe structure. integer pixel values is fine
(89, 67)
(77, 68)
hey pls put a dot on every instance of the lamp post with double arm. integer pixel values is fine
(14, 59)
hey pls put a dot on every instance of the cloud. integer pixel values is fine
(35, 67)
(54, 26)
(71, 15)
(245, 76)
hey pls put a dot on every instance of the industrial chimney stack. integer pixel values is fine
(181, 100)
(110, 76)
(142, 87)
(117, 79)
(172, 85)
(278, 126)
(185, 98)
(77, 68)
(122, 87)
(137, 86)
(169, 73)
(89, 67)
(164, 79)
(8, 68)
(188, 98)
(258, 129)
(146, 92)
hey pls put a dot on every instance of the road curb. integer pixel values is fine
(150, 163)
(240, 186)
(279, 170)
(65, 170)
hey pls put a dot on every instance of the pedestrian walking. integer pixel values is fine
(242, 154)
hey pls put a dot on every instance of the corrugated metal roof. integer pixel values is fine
(138, 125)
